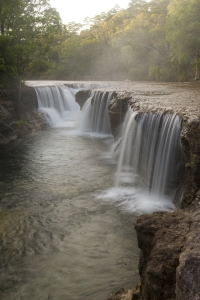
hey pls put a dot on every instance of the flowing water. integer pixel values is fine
(95, 113)
(66, 221)
(149, 164)
(151, 148)
(58, 104)
(57, 240)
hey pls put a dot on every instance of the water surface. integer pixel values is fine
(58, 240)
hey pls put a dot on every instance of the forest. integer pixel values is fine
(156, 40)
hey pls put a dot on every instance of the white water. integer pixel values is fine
(95, 113)
(148, 164)
(60, 109)
(149, 150)
(58, 104)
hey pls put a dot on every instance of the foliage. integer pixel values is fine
(23, 123)
(184, 36)
(150, 40)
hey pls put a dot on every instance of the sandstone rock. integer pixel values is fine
(170, 254)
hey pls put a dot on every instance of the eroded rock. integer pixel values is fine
(82, 96)
(170, 257)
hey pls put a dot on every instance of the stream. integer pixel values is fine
(69, 201)
(58, 240)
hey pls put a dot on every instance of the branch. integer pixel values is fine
(2, 136)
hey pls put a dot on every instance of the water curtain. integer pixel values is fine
(151, 148)
(58, 104)
(95, 113)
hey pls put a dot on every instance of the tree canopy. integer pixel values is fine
(150, 40)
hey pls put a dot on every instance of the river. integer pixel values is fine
(58, 240)
(67, 211)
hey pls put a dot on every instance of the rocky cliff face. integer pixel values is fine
(19, 118)
(170, 256)
(190, 139)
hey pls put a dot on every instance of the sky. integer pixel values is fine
(78, 10)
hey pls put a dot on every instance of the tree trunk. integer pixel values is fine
(2, 21)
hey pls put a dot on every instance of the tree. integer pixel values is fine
(10, 10)
(32, 29)
(183, 35)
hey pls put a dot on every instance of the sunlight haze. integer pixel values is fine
(78, 10)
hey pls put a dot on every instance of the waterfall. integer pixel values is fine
(150, 158)
(95, 113)
(150, 154)
(151, 149)
(58, 104)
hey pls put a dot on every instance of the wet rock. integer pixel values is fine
(190, 139)
(188, 272)
(117, 109)
(82, 96)
(122, 294)
(170, 257)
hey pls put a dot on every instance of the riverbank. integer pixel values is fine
(19, 119)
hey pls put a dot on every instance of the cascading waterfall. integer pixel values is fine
(149, 163)
(58, 104)
(150, 151)
(95, 113)
(151, 148)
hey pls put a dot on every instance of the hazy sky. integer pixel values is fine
(78, 10)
